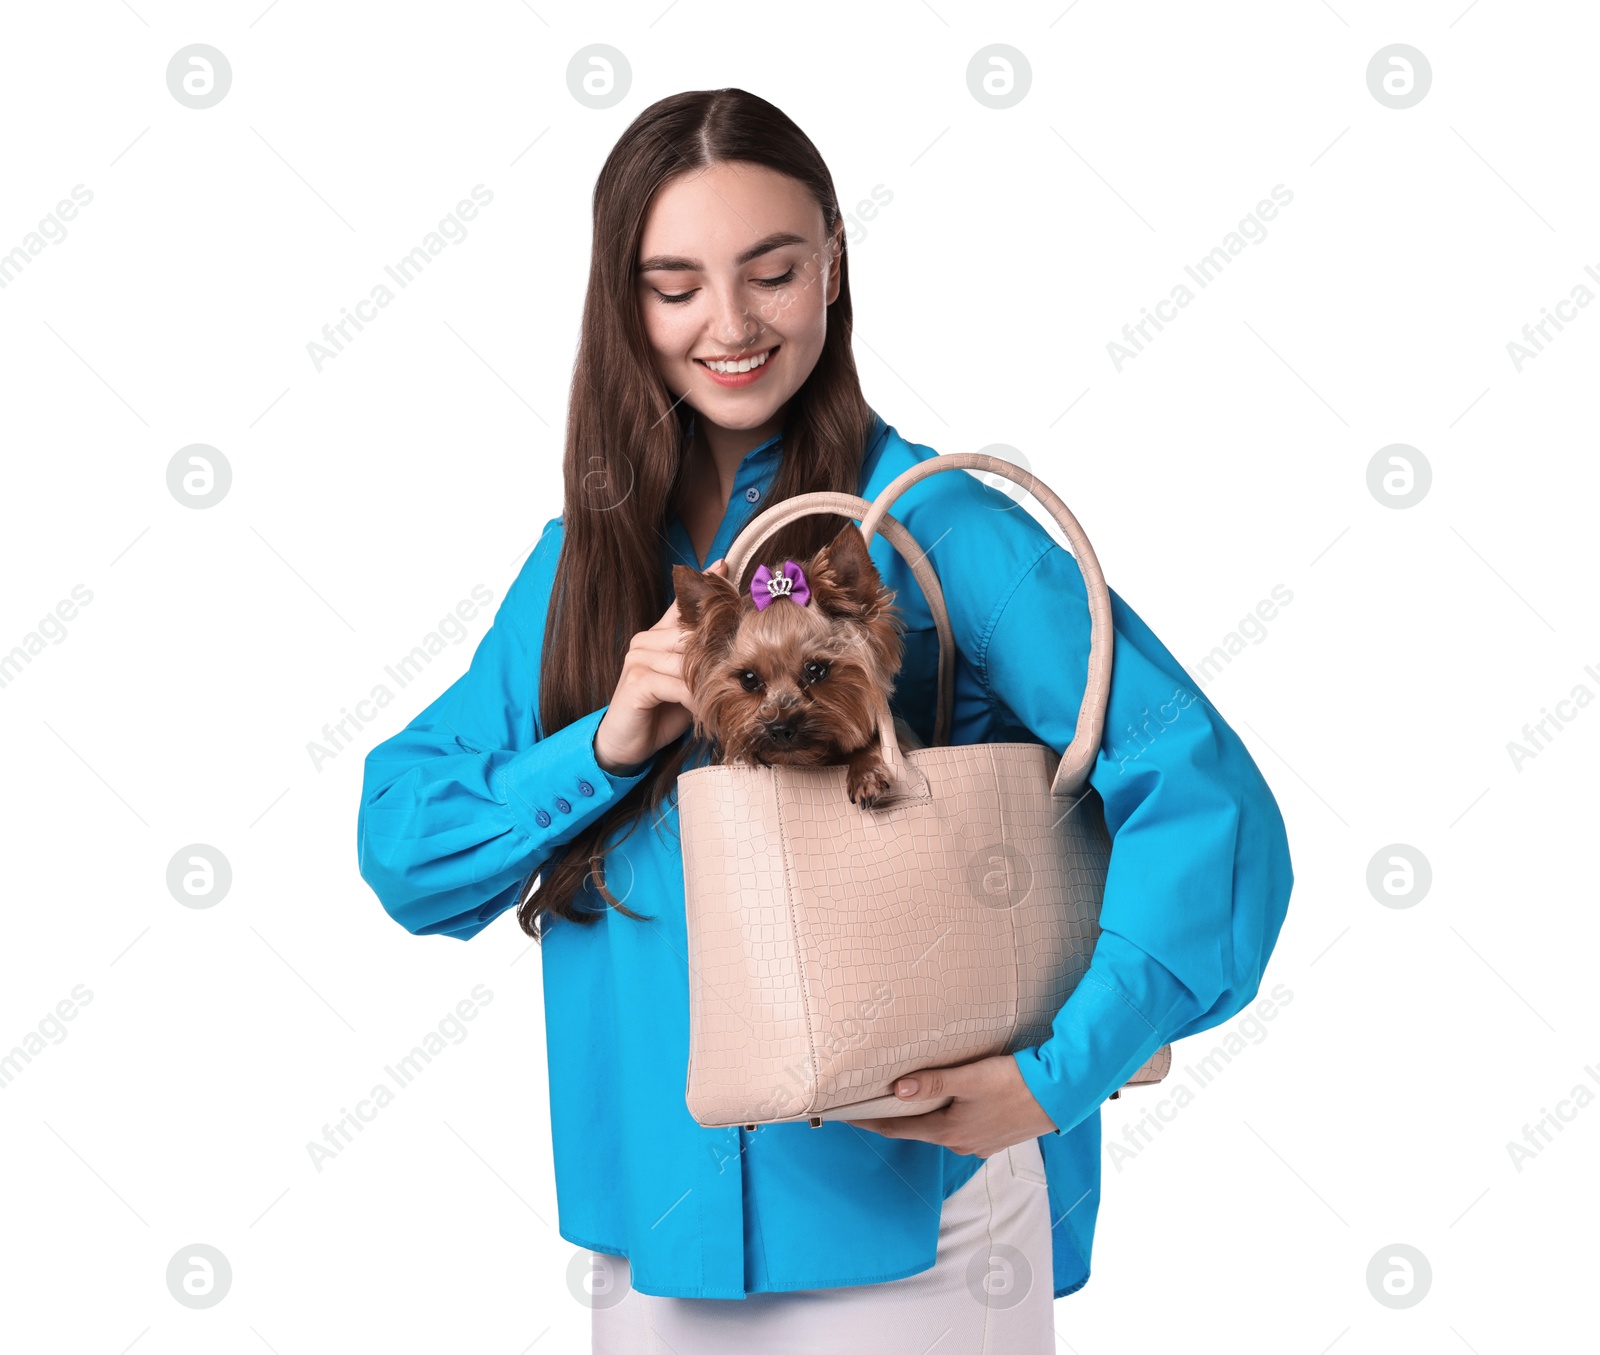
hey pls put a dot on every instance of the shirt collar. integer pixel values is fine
(772, 447)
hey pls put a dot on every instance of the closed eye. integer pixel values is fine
(678, 298)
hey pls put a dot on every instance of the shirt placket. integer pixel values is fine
(720, 1209)
(750, 488)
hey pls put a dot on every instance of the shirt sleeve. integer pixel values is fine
(1200, 876)
(460, 806)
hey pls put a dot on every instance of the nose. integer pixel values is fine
(783, 730)
(736, 327)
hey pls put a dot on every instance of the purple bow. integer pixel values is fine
(765, 586)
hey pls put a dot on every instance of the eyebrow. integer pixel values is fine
(677, 264)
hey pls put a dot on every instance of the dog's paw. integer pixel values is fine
(868, 780)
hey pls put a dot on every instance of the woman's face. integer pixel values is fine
(734, 268)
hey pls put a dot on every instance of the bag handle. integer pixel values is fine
(1073, 772)
(1078, 760)
(759, 529)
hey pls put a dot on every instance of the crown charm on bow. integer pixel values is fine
(791, 583)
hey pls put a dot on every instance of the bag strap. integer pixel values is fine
(1073, 773)
(756, 532)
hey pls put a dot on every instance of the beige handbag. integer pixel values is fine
(833, 949)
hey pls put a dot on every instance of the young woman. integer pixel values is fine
(714, 377)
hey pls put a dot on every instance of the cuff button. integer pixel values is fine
(562, 805)
(543, 818)
(585, 788)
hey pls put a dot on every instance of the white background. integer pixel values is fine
(371, 497)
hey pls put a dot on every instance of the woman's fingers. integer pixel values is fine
(655, 660)
(671, 701)
(662, 636)
(662, 689)
(651, 704)
(655, 647)
(672, 689)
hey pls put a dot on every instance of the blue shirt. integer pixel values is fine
(473, 794)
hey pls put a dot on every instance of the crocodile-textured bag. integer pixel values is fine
(833, 949)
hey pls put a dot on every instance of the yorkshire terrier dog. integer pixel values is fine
(792, 670)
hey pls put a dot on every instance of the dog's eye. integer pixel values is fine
(749, 681)
(816, 670)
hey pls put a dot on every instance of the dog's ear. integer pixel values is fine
(706, 602)
(844, 580)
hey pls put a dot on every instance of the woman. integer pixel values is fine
(718, 239)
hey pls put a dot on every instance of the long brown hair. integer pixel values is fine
(623, 464)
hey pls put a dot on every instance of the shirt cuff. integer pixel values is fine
(1121, 1012)
(556, 788)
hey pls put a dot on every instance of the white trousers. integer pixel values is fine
(989, 1291)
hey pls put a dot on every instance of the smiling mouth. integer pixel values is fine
(740, 370)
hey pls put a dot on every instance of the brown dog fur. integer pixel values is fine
(849, 632)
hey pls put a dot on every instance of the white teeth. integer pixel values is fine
(743, 365)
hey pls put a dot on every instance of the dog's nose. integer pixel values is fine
(781, 729)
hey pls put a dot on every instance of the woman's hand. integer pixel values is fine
(993, 1108)
(650, 707)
